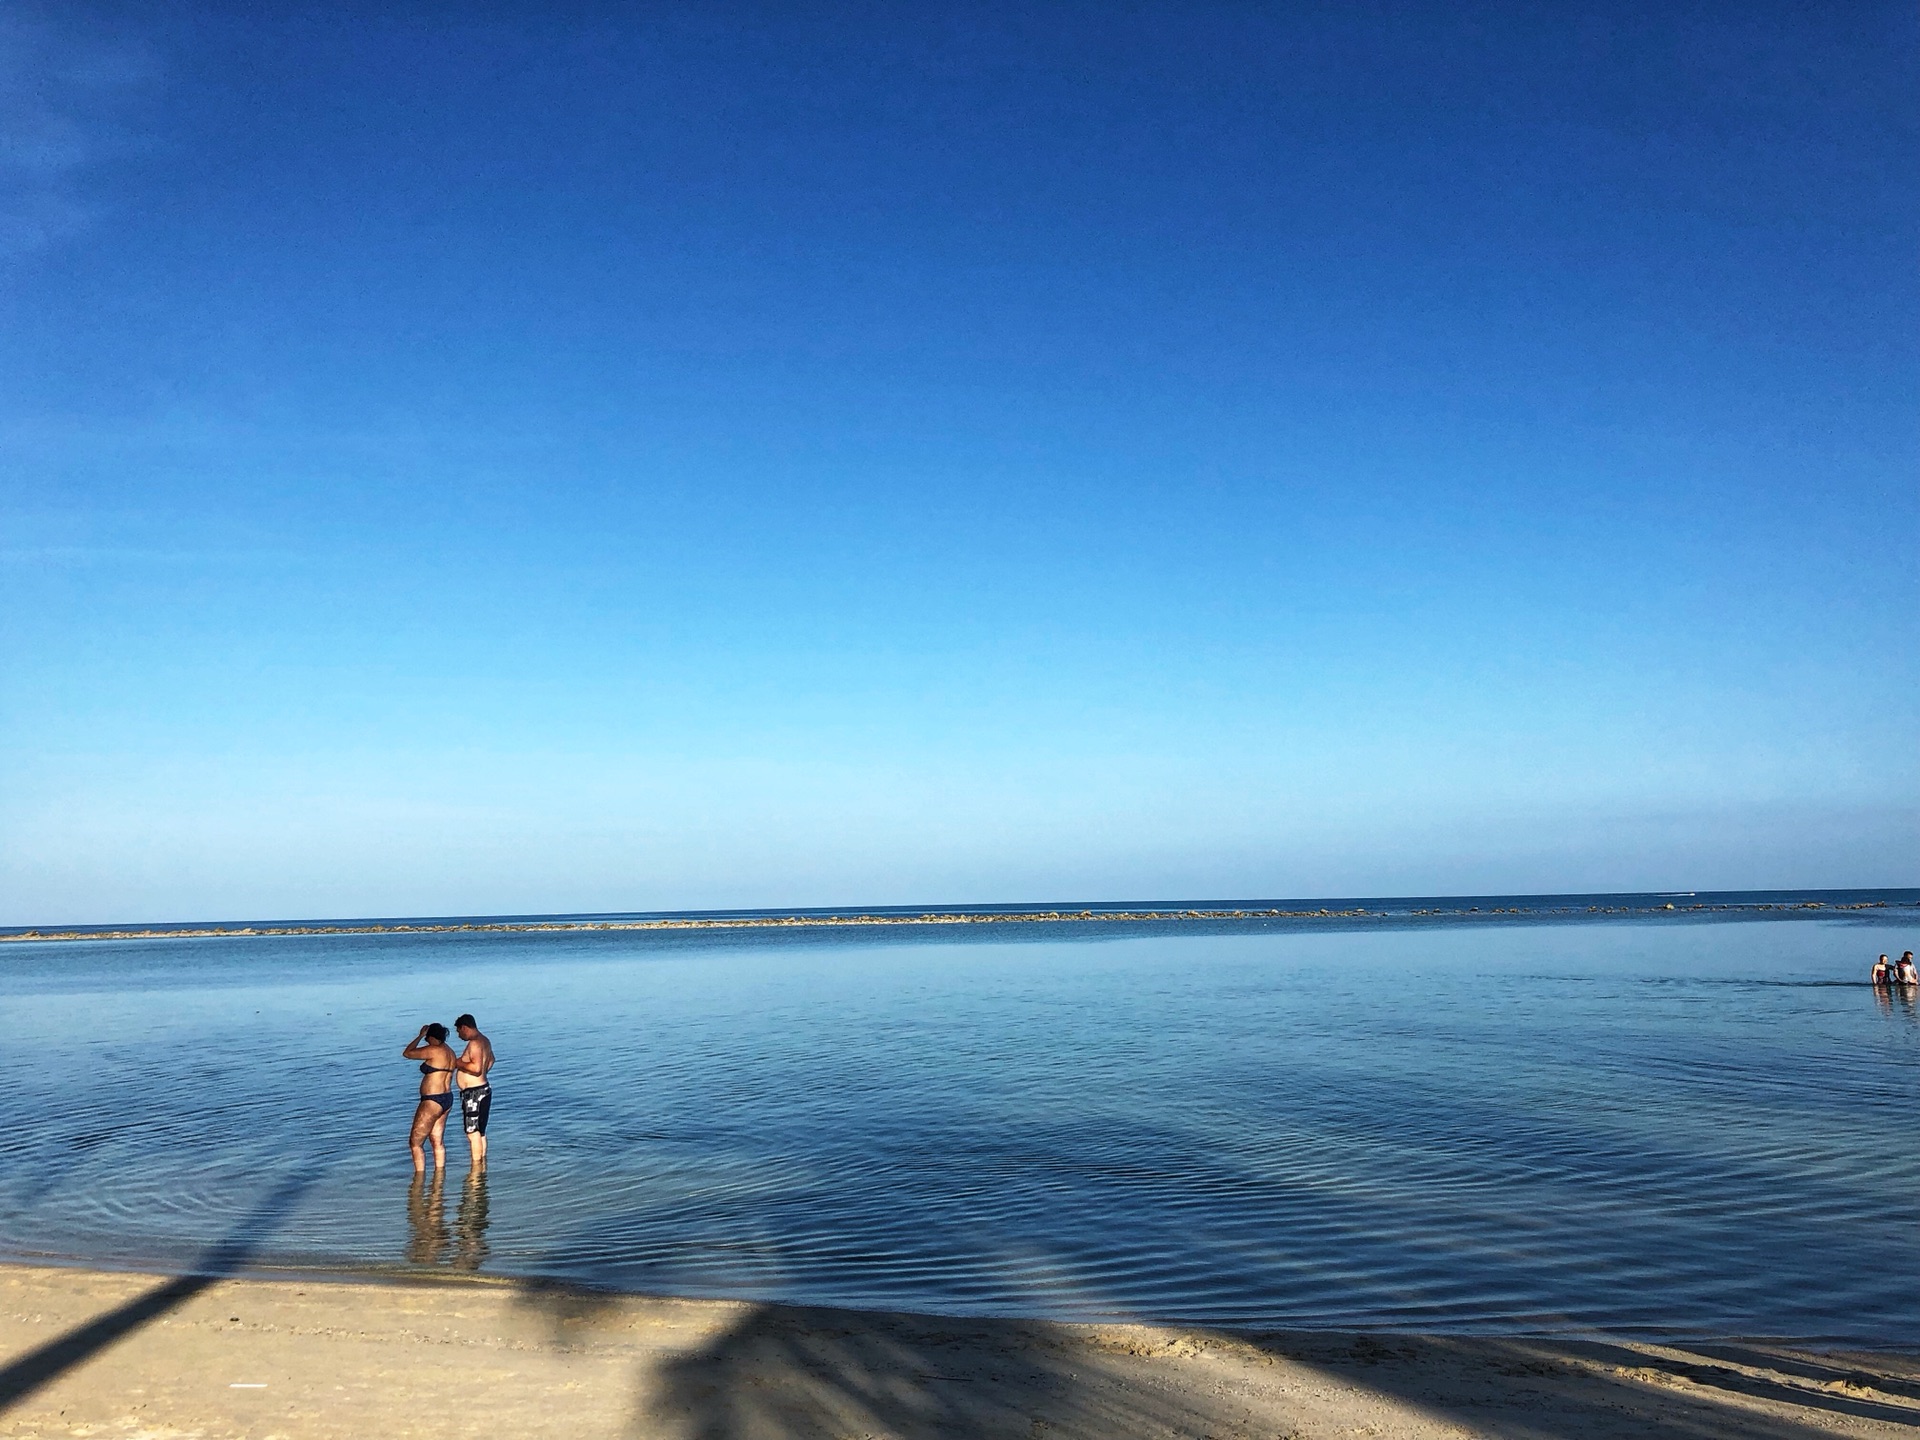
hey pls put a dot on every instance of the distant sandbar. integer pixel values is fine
(930, 917)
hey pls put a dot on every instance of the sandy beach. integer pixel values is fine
(127, 1355)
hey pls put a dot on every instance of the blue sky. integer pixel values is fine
(553, 458)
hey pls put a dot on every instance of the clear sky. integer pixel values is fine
(493, 459)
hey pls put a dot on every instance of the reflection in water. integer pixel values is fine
(430, 1242)
(426, 1221)
(1666, 1126)
(1897, 1000)
(470, 1224)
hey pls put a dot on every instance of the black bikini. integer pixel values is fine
(445, 1098)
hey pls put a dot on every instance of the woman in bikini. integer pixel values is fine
(430, 1048)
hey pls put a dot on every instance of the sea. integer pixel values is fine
(1652, 1116)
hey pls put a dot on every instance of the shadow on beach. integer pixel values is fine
(228, 1256)
(814, 1373)
(1554, 1389)
(795, 1373)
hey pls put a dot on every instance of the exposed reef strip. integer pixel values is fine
(957, 917)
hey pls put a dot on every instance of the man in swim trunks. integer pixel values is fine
(476, 1093)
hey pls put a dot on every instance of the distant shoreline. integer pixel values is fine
(931, 917)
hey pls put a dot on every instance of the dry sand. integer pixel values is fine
(108, 1354)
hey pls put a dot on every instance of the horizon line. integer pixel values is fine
(1107, 911)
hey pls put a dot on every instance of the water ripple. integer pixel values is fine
(1680, 1130)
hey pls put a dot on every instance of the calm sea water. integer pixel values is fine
(1675, 1126)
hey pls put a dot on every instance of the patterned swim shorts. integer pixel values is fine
(475, 1105)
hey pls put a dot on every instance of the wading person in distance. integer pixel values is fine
(476, 1092)
(1905, 973)
(1882, 972)
(436, 1059)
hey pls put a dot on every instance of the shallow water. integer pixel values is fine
(1663, 1127)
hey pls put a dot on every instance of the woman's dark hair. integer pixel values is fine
(437, 1034)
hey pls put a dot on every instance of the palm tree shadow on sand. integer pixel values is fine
(821, 1373)
(227, 1256)
(780, 1372)
(795, 1373)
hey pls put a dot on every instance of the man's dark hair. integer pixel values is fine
(466, 1020)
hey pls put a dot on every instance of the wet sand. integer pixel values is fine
(110, 1354)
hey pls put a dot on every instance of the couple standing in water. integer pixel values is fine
(445, 1077)
(1896, 972)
